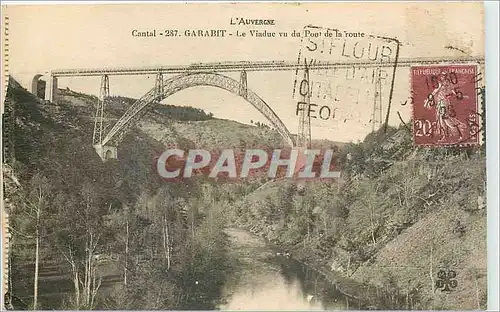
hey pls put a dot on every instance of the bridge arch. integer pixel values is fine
(45, 86)
(178, 83)
(39, 86)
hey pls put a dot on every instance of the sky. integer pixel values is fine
(49, 37)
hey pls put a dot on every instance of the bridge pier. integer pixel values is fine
(106, 151)
(377, 103)
(159, 86)
(304, 133)
(53, 89)
(243, 84)
(99, 125)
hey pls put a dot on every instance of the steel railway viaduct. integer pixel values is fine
(205, 74)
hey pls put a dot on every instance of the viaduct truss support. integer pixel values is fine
(376, 119)
(304, 133)
(104, 151)
(159, 87)
(243, 84)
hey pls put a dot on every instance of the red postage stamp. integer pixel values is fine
(445, 105)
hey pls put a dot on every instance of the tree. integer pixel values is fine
(79, 233)
(205, 264)
(37, 200)
(115, 223)
(372, 200)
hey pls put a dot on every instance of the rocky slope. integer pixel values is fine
(398, 215)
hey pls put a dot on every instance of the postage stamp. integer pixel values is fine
(445, 105)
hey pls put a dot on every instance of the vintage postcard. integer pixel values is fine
(265, 156)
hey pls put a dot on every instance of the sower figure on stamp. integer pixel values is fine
(447, 122)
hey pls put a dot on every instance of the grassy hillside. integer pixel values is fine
(182, 126)
(188, 127)
(397, 216)
(64, 198)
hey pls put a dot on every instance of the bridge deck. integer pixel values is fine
(253, 66)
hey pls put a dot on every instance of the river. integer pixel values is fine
(267, 280)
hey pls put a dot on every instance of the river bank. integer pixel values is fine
(269, 280)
